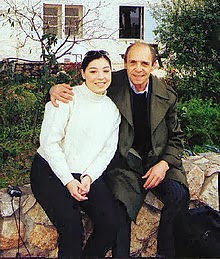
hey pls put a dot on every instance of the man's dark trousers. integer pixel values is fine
(175, 198)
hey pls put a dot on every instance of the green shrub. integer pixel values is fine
(22, 102)
(204, 84)
(200, 122)
(21, 114)
(189, 38)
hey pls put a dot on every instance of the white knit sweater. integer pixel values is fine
(81, 136)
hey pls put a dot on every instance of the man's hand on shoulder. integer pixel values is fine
(61, 92)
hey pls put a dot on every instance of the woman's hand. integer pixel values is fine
(77, 190)
(61, 92)
(86, 182)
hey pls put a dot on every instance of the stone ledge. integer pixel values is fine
(40, 235)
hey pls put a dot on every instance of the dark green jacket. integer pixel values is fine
(166, 138)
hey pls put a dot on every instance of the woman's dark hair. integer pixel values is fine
(94, 54)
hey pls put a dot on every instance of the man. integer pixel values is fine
(149, 149)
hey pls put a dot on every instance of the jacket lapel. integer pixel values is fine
(159, 100)
(159, 103)
(123, 99)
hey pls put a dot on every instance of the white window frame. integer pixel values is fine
(61, 19)
(79, 17)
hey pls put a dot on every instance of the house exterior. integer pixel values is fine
(111, 25)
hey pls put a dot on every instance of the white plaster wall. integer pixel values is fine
(7, 38)
(107, 14)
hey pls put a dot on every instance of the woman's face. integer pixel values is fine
(97, 75)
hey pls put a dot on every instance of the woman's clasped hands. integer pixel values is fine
(79, 190)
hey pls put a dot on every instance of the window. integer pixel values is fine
(131, 20)
(63, 20)
(73, 16)
(53, 19)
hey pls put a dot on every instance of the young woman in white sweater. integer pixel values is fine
(77, 142)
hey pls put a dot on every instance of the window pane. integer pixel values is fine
(71, 11)
(73, 25)
(70, 21)
(52, 19)
(73, 15)
(52, 30)
(72, 31)
(130, 22)
(50, 11)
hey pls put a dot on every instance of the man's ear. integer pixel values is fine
(155, 64)
(125, 64)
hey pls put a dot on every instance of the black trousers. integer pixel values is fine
(175, 198)
(64, 212)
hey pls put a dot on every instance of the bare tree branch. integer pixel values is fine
(30, 22)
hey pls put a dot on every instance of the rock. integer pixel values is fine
(214, 159)
(195, 180)
(9, 234)
(209, 192)
(144, 232)
(212, 169)
(152, 200)
(37, 214)
(53, 253)
(6, 204)
(43, 237)
(13, 252)
(28, 203)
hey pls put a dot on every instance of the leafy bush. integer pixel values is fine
(189, 39)
(200, 122)
(204, 84)
(21, 112)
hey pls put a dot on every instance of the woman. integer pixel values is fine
(77, 142)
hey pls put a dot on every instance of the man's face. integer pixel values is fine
(139, 66)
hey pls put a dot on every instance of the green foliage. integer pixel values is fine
(189, 32)
(70, 73)
(49, 41)
(21, 114)
(200, 122)
(186, 28)
(205, 83)
(22, 104)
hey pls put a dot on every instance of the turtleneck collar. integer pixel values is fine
(91, 95)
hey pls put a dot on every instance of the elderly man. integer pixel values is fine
(149, 148)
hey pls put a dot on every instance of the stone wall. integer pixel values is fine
(39, 237)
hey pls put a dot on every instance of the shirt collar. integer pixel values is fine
(141, 92)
